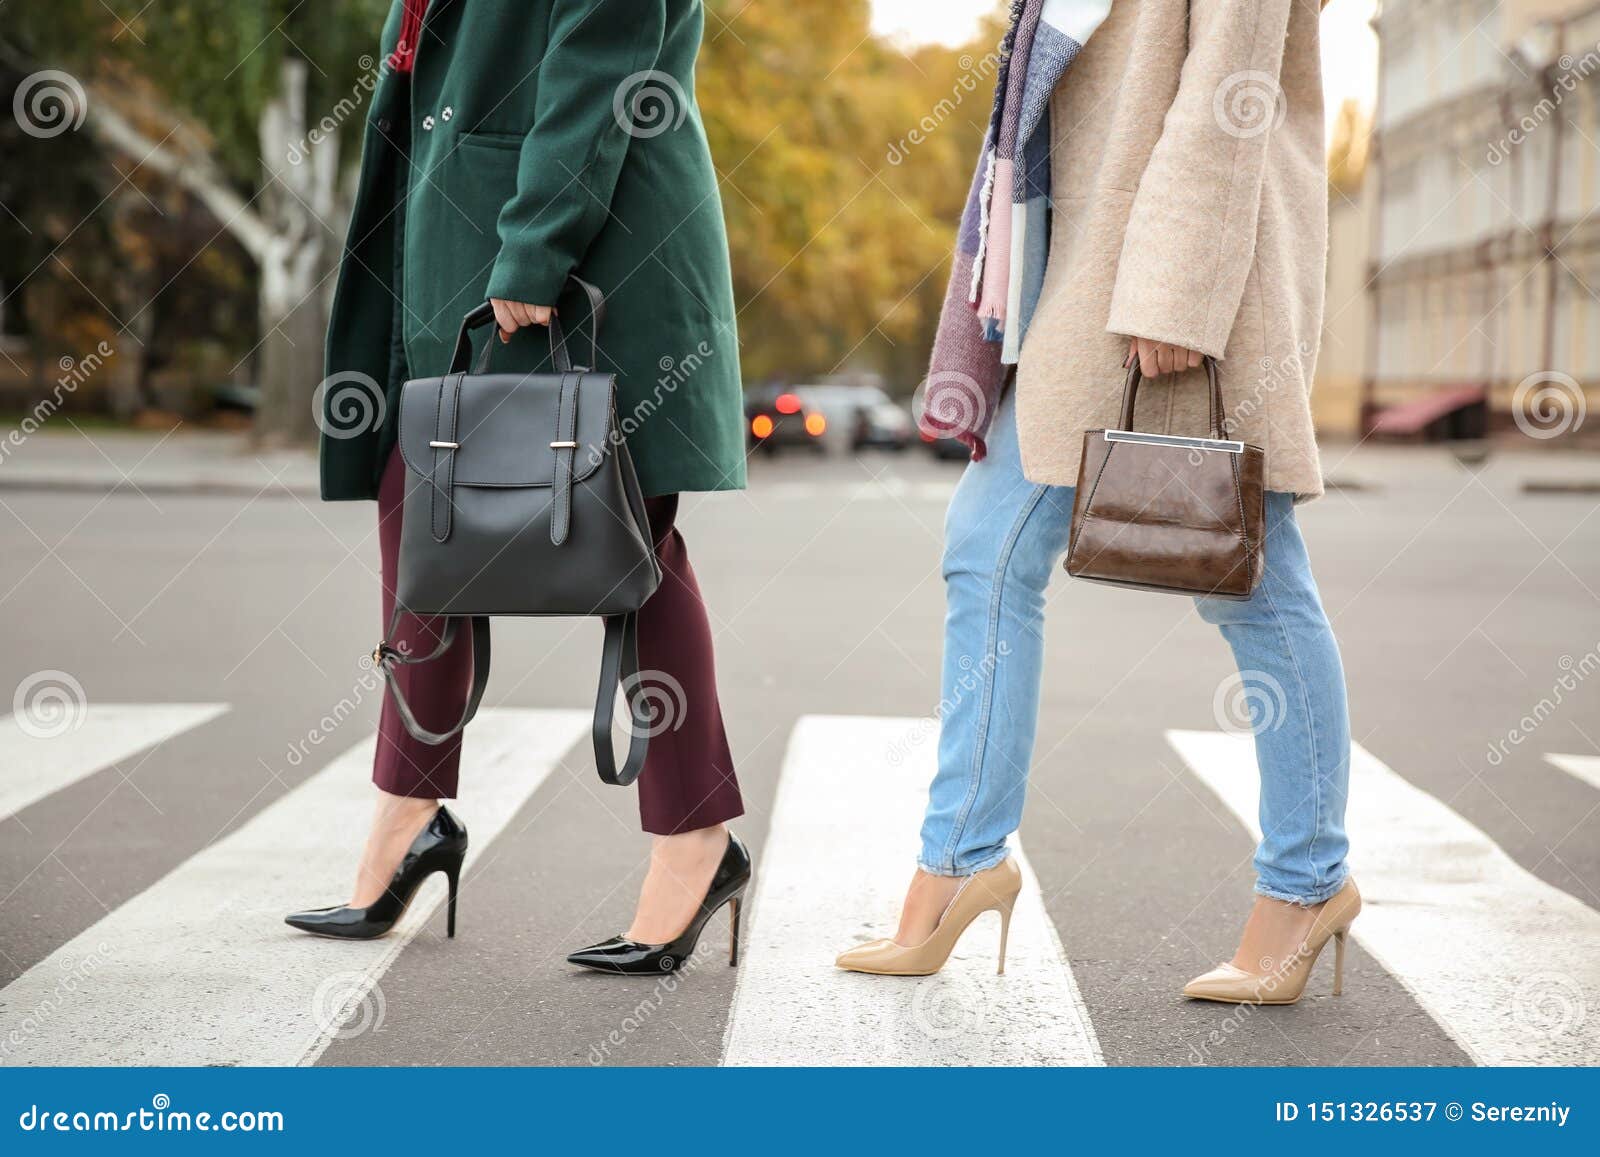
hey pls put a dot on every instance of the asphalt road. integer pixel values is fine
(1469, 619)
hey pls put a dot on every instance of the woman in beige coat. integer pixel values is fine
(1189, 220)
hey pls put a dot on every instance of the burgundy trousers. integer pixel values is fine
(688, 780)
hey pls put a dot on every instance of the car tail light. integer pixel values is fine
(816, 424)
(787, 404)
(761, 426)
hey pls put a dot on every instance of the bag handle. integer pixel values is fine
(484, 314)
(1130, 390)
(619, 667)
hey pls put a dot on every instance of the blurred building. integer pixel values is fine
(1484, 175)
(1342, 360)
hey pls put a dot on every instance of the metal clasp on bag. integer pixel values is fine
(563, 445)
(444, 445)
(1222, 444)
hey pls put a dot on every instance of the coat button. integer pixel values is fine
(427, 124)
(447, 113)
(384, 124)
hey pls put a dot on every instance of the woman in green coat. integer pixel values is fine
(510, 145)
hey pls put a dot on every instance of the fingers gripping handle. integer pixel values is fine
(483, 315)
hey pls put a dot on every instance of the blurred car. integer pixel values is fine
(944, 449)
(880, 422)
(858, 416)
(777, 419)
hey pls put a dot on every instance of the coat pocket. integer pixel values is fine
(452, 242)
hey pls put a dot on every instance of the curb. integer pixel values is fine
(1561, 486)
(195, 488)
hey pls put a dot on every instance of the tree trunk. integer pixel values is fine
(288, 230)
(298, 203)
(289, 359)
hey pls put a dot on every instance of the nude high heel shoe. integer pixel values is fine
(991, 890)
(1287, 983)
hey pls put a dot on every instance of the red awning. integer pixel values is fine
(1416, 415)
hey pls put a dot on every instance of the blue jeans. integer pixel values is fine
(1003, 538)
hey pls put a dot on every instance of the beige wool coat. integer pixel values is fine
(1190, 206)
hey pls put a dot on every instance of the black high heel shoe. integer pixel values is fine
(619, 954)
(439, 847)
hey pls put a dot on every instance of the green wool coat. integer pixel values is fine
(545, 138)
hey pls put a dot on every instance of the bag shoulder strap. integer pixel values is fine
(619, 668)
(387, 659)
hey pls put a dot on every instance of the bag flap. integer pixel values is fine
(504, 426)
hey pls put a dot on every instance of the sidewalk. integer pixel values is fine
(208, 462)
(194, 462)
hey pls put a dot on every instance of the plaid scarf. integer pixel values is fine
(1004, 240)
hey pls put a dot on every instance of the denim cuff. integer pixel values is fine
(1327, 892)
(956, 873)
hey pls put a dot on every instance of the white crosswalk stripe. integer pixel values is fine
(199, 968)
(887, 489)
(1508, 965)
(836, 860)
(1584, 767)
(35, 762)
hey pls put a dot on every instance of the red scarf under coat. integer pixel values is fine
(405, 51)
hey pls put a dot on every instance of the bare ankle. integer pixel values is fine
(700, 840)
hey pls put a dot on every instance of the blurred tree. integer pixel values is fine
(244, 106)
(844, 167)
(1348, 148)
(844, 162)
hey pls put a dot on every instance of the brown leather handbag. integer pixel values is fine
(1163, 513)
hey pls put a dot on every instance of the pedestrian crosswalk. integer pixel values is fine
(1507, 964)
(41, 755)
(198, 968)
(834, 867)
(1584, 767)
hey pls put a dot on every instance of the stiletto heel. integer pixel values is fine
(630, 957)
(733, 931)
(991, 890)
(450, 907)
(1287, 983)
(441, 846)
